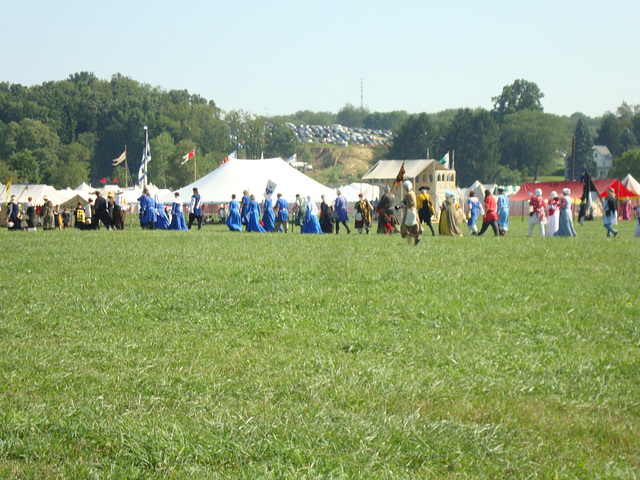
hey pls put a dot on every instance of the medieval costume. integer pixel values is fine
(162, 221)
(47, 215)
(244, 207)
(473, 211)
(13, 214)
(610, 218)
(537, 216)
(340, 211)
(282, 214)
(195, 211)
(425, 208)
(177, 216)
(565, 220)
(268, 216)
(253, 217)
(553, 215)
(449, 217)
(31, 216)
(233, 219)
(326, 221)
(387, 219)
(411, 227)
(311, 223)
(503, 211)
(490, 214)
(363, 214)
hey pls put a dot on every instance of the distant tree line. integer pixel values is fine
(66, 132)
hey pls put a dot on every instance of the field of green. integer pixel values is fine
(209, 354)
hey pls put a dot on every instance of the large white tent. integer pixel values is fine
(237, 175)
(352, 191)
(632, 184)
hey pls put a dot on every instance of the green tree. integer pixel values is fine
(414, 138)
(609, 134)
(475, 137)
(351, 116)
(73, 167)
(629, 162)
(279, 142)
(163, 150)
(521, 95)
(26, 166)
(583, 151)
(530, 141)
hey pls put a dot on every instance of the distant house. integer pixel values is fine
(604, 160)
(429, 173)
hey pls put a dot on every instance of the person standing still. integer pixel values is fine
(195, 212)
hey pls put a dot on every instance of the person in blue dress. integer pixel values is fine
(282, 214)
(195, 211)
(503, 212)
(233, 220)
(341, 212)
(148, 215)
(311, 223)
(253, 217)
(474, 208)
(162, 222)
(244, 207)
(177, 217)
(268, 217)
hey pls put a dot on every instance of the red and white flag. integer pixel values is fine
(188, 156)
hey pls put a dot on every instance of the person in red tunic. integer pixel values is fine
(490, 214)
(537, 216)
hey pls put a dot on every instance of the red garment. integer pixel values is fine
(490, 209)
(538, 206)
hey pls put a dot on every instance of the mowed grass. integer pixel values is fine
(209, 354)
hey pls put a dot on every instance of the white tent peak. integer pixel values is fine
(238, 175)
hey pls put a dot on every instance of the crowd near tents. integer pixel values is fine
(238, 175)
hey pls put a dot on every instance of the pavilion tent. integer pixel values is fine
(237, 175)
(631, 184)
(352, 191)
(37, 192)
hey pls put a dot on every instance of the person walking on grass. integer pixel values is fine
(326, 220)
(503, 212)
(13, 214)
(537, 216)
(311, 223)
(553, 215)
(610, 218)
(48, 221)
(177, 217)
(490, 214)
(340, 207)
(425, 208)
(473, 211)
(410, 221)
(387, 219)
(253, 217)
(31, 215)
(281, 209)
(565, 221)
(363, 214)
(195, 212)
(268, 215)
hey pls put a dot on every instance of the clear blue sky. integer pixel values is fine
(277, 57)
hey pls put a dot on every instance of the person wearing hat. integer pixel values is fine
(177, 217)
(490, 214)
(13, 214)
(425, 208)
(473, 209)
(101, 213)
(195, 211)
(503, 212)
(120, 211)
(222, 213)
(565, 221)
(88, 215)
(387, 219)
(363, 214)
(537, 216)
(553, 215)
(340, 208)
(610, 218)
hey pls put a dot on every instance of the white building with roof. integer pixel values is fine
(603, 159)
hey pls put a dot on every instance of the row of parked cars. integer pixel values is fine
(337, 134)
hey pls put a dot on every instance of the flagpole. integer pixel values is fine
(126, 168)
(146, 171)
(195, 168)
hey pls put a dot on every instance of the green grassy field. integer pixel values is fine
(208, 354)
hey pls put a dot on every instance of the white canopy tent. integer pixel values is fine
(237, 175)
(352, 191)
(631, 184)
(37, 192)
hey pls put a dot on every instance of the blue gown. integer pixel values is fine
(503, 212)
(268, 216)
(246, 201)
(162, 222)
(177, 217)
(253, 218)
(144, 205)
(341, 209)
(474, 209)
(311, 223)
(233, 220)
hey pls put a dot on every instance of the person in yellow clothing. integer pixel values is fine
(425, 208)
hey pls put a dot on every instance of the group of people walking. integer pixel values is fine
(47, 216)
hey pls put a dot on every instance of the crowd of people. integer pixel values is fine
(552, 217)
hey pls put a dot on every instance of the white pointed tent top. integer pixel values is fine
(632, 184)
(37, 192)
(238, 175)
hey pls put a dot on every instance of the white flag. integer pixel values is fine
(120, 159)
(271, 187)
(146, 158)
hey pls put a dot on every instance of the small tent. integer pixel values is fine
(631, 184)
(237, 175)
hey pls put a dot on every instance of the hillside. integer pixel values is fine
(334, 165)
